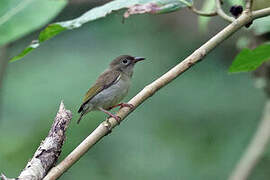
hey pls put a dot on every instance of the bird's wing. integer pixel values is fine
(104, 81)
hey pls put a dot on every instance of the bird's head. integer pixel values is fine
(125, 63)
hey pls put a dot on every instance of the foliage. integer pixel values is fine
(249, 60)
(156, 7)
(20, 17)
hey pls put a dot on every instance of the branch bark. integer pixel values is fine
(49, 150)
(105, 127)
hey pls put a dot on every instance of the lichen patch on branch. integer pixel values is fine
(49, 150)
(141, 9)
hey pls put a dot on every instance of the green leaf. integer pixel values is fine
(249, 60)
(27, 50)
(155, 7)
(51, 31)
(20, 17)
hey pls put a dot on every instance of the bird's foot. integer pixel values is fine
(108, 124)
(117, 118)
(131, 106)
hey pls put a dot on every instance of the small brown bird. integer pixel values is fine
(110, 87)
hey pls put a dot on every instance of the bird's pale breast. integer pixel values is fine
(110, 96)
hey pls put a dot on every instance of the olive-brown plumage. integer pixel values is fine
(110, 87)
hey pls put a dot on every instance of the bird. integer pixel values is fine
(110, 87)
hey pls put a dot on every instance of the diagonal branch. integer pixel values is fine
(104, 128)
(49, 150)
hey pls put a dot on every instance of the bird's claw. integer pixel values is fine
(131, 106)
(117, 118)
(108, 124)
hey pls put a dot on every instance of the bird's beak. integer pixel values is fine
(137, 59)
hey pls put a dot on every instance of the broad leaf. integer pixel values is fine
(19, 17)
(249, 60)
(133, 6)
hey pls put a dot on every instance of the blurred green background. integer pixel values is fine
(197, 127)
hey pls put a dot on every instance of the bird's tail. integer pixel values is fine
(81, 115)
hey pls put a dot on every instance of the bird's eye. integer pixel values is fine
(125, 61)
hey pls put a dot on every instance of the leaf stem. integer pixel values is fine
(221, 13)
(249, 4)
(201, 13)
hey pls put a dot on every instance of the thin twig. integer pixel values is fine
(249, 4)
(261, 13)
(49, 150)
(201, 13)
(104, 128)
(221, 13)
(255, 149)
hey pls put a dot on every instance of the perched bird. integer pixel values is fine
(110, 87)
